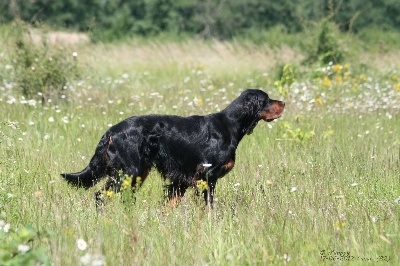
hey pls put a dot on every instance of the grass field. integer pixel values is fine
(319, 185)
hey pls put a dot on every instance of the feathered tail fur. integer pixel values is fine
(96, 169)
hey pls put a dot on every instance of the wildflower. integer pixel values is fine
(319, 100)
(398, 87)
(337, 68)
(23, 248)
(397, 200)
(126, 183)
(340, 225)
(74, 54)
(270, 182)
(85, 259)
(4, 226)
(354, 184)
(202, 185)
(81, 244)
(108, 193)
(327, 82)
(293, 189)
(98, 260)
(200, 101)
(37, 194)
(51, 119)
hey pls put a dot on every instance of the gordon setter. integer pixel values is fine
(184, 150)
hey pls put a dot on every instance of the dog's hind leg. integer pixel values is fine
(175, 193)
(113, 185)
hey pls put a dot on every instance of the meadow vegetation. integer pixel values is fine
(319, 185)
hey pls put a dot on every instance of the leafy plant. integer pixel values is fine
(326, 46)
(297, 135)
(41, 71)
(287, 78)
(16, 248)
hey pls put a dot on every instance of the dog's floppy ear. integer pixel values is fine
(251, 110)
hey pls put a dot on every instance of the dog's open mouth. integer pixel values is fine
(274, 111)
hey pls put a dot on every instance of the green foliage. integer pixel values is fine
(128, 185)
(119, 19)
(287, 78)
(375, 39)
(16, 246)
(297, 135)
(40, 70)
(326, 46)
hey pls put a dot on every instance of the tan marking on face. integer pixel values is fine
(274, 111)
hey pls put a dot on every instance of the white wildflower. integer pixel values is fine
(82, 245)
(23, 248)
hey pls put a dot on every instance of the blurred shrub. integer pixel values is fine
(41, 71)
(16, 246)
(325, 45)
(286, 79)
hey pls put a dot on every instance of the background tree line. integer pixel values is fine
(113, 19)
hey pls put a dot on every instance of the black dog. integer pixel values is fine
(184, 150)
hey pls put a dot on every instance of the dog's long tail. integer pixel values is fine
(96, 169)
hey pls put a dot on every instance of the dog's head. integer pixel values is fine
(256, 105)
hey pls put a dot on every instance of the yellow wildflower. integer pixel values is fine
(337, 68)
(200, 100)
(327, 82)
(126, 183)
(398, 87)
(319, 100)
(340, 225)
(202, 185)
(338, 80)
(346, 67)
(108, 193)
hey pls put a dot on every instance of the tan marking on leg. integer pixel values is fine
(174, 201)
(108, 147)
(229, 165)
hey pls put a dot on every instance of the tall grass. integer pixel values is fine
(329, 198)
